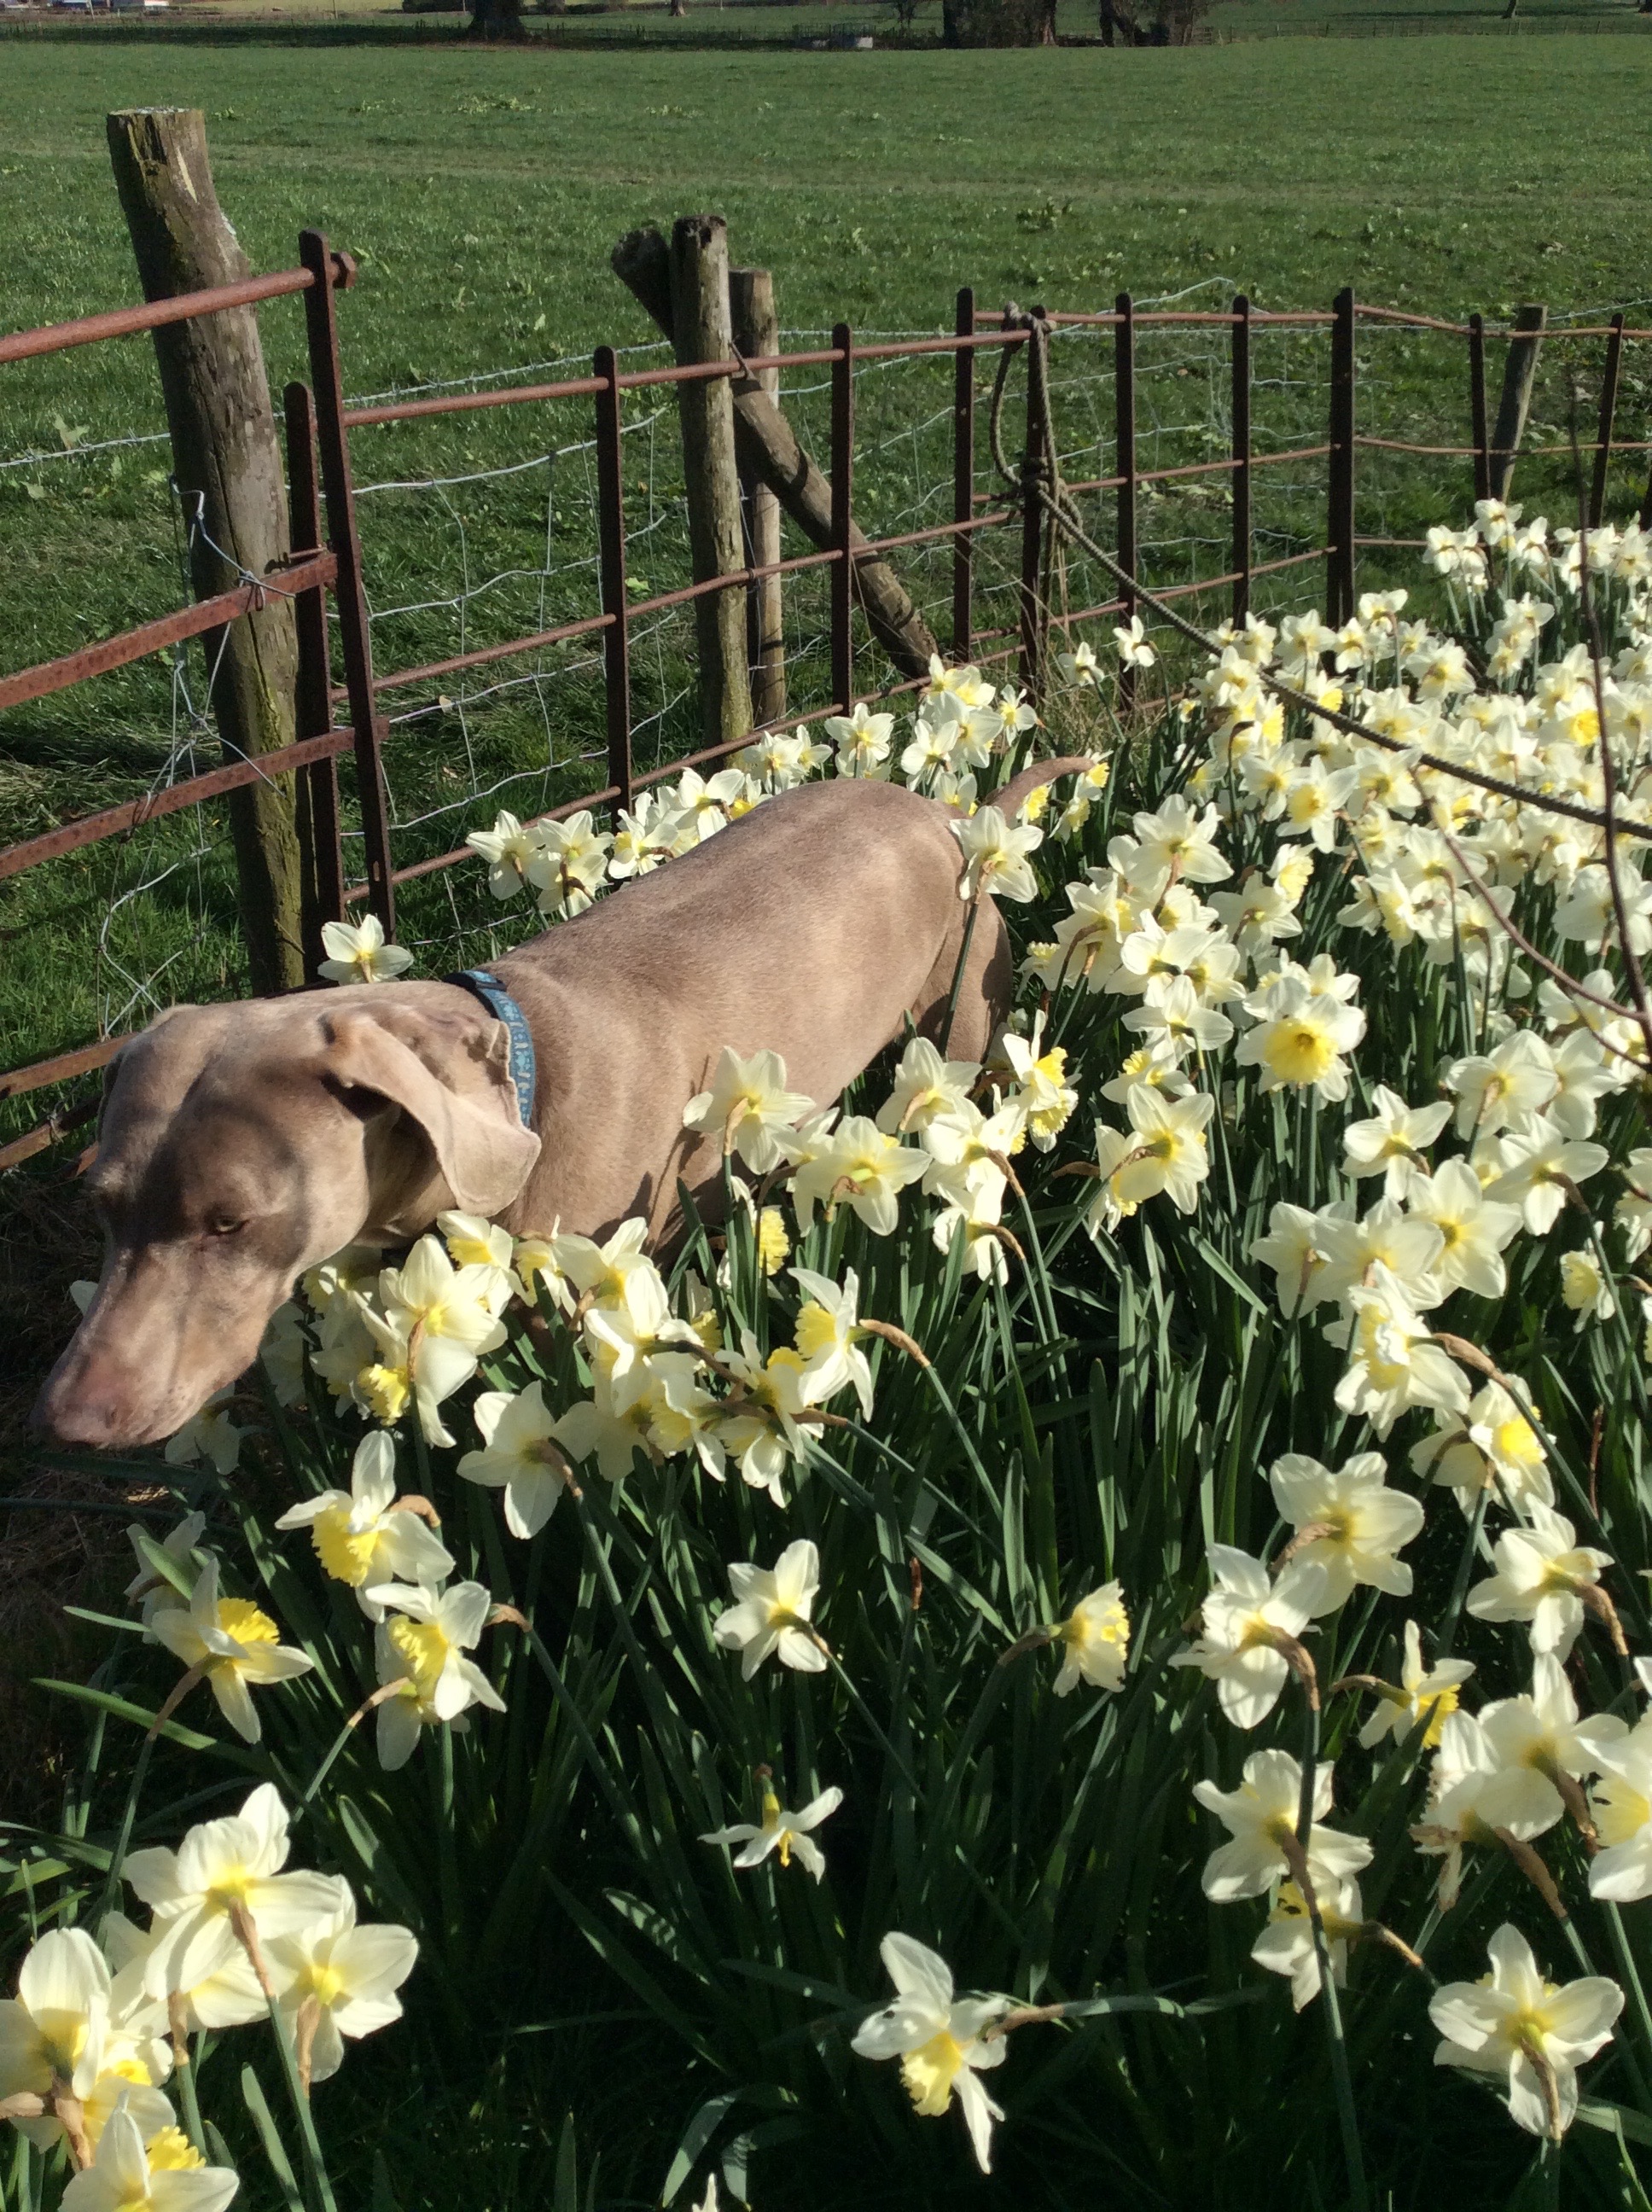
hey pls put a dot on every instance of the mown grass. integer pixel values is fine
(482, 191)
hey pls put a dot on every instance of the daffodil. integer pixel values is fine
(222, 1868)
(361, 1536)
(151, 1591)
(424, 1650)
(53, 2032)
(1394, 1142)
(1542, 1575)
(1474, 1230)
(1392, 1362)
(1261, 1818)
(337, 1979)
(1585, 1286)
(925, 1085)
(997, 858)
(506, 847)
(210, 1435)
(233, 1644)
(1488, 1446)
(1473, 1793)
(1350, 1523)
(1621, 1804)
(781, 1832)
(938, 2037)
(860, 1167)
(862, 741)
(568, 864)
(772, 1613)
(1131, 645)
(1300, 1038)
(1044, 1099)
(1291, 1249)
(1286, 1944)
(166, 2174)
(828, 1339)
(1249, 1624)
(357, 952)
(748, 1106)
(1422, 1694)
(1095, 1641)
(1541, 1166)
(473, 1243)
(519, 1456)
(1530, 2033)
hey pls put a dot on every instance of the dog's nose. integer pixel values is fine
(80, 1409)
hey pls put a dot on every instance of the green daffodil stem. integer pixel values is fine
(1631, 1974)
(175, 1697)
(1460, 1585)
(183, 2072)
(957, 973)
(315, 2166)
(1296, 1858)
(385, 1691)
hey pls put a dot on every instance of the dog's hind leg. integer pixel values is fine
(984, 991)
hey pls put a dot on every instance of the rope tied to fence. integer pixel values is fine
(1038, 477)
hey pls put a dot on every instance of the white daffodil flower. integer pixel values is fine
(1299, 1039)
(748, 1106)
(1407, 1246)
(828, 1339)
(1259, 1816)
(1529, 2031)
(997, 858)
(357, 953)
(229, 1996)
(1585, 1286)
(1176, 843)
(506, 847)
(1542, 1729)
(349, 1975)
(472, 1241)
(1540, 1167)
(424, 1650)
(233, 1863)
(1286, 1944)
(1620, 1801)
(1473, 1230)
(55, 2029)
(360, 1535)
(152, 1592)
(1164, 1152)
(1542, 1571)
(862, 741)
(166, 2174)
(1244, 1618)
(519, 1456)
(1498, 1088)
(1394, 1142)
(1473, 1793)
(1044, 1098)
(860, 1167)
(1392, 1362)
(568, 862)
(1358, 1523)
(1291, 1249)
(1131, 645)
(925, 1085)
(772, 1612)
(1490, 1446)
(1425, 1691)
(781, 1832)
(1095, 1641)
(236, 1646)
(938, 2037)
(210, 1435)
(436, 1324)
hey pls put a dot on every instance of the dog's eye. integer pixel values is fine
(226, 1224)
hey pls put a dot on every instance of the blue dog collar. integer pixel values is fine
(500, 1003)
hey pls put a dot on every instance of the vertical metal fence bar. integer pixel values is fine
(350, 592)
(1241, 456)
(963, 478)
(841, 573)
(1480, 430)
(1608, 416)
(611, 555)
(1339, 468)
(321, 852)
(1124, 421)
(1034, 472)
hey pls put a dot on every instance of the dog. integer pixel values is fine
(239, 1145)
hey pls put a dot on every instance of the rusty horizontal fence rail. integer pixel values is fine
(110, 653)
(156, 314)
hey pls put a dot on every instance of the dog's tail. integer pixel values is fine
(1031, 779)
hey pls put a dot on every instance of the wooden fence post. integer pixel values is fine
(1606, 423)
(227, 463)
(318, 785)
(700, 331)
(1478, 430)
(1035, 473)
(757, 325)
(963, 478)
(1519, 375)
(841, 573)
(1241, 455)
(611, 524)
(1340, 468)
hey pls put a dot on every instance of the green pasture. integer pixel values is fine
(482, 193)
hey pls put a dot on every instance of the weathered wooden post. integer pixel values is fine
(768, 447)
(757, 326)
(1518, 374)
(228, 465)
(700, 331)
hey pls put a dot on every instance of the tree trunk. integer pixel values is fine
(1518, 374)
(229, 469)
(700, 332)
(767, 448)
(758, 332)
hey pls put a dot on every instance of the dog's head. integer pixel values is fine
(239, 1145)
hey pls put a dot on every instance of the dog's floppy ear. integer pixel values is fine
(483, 1151)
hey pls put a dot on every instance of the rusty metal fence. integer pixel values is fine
(992, 588)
